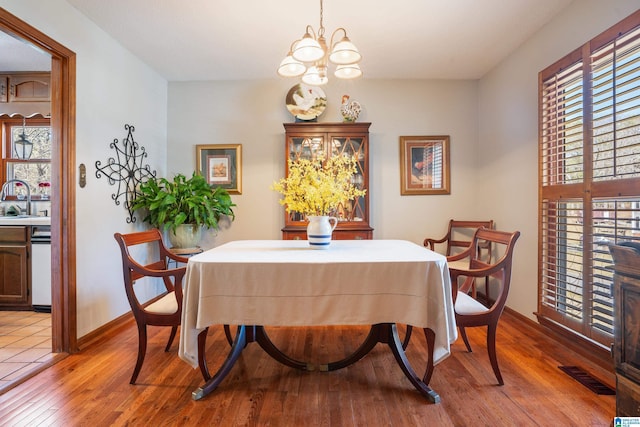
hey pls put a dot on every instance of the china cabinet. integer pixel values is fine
(626, 348)
(321, 140)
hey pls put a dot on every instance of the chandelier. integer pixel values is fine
(309, 57)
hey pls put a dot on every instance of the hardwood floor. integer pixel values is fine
(91, 388)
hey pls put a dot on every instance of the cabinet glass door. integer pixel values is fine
(352, 210)
(318, 147)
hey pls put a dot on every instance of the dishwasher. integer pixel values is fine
(41, 268)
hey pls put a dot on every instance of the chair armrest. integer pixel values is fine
(477, 272)
(168, 253)
(431, 242)
(144, 271)
(177, 258)
(177, 274)
(173, 272)
(496, 270)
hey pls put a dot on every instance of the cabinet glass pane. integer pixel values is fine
(310, 148)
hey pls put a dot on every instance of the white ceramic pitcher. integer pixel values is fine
(319, 230)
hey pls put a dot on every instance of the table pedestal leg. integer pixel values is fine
(245, 335)
(212, 382)
(387, 333)
(262, 338)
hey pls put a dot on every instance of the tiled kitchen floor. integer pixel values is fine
(25, 344)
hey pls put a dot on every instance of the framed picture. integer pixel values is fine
(221, 165)
(424, 165)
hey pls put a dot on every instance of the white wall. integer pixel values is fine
(251, 113)
(113, 88)
(508, 132)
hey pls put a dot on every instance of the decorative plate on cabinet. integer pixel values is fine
(306, 102)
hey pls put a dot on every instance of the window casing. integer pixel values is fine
(589, 158)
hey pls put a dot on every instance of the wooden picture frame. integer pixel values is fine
(221, 165)
(424, 165)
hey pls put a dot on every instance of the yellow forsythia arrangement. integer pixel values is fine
(314, 188)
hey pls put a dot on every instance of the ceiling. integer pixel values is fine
(17, 55)
(247, 39)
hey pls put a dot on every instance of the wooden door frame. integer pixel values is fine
(63, 177)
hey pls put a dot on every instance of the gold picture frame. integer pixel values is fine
(221, 165)
(424, 165)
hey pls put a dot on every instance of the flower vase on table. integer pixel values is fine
(319, 230)
(316, 189)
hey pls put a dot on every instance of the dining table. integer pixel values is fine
(255, 284)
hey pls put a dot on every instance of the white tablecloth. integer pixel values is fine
(286, 283)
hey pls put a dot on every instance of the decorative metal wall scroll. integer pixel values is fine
(126, 170)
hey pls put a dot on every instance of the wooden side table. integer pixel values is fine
(186, 252)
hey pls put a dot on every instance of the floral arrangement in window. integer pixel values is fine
(317, 188)
(20, 191)
(44, 189)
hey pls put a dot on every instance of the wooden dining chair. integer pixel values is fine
(457, 239)
(163, 310)
(469, 311)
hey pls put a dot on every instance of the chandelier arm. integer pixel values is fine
(309, 30)
(332, 44)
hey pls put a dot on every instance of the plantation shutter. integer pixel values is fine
(589, 177)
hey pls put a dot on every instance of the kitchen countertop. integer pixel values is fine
(25, 220)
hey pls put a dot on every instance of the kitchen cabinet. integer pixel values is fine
(310, 140)
(626, 343)
(25, 93)
(25, 87)
(4, 89)
(14, 267)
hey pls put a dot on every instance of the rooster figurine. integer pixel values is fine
(350, 110)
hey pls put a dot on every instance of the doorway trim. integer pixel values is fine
(63, 177)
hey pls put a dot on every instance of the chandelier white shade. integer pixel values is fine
(289, 67)
(315, 76)
(345, 52)
(310, 56)
(349, 71)
(308, 49)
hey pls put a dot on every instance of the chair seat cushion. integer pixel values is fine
(465, 304)
(168, 304)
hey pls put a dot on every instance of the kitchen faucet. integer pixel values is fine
(3, 192)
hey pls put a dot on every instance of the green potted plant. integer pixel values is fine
(183, 206)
